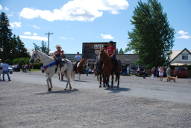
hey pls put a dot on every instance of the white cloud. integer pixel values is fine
(1, 7)
(35, 27)
(4, 8)
(33, 36)
(77, 10)
(15, 24)
(107, 36)
(183, 35)
(27, 33)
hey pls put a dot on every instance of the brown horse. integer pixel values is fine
(79, 67)
(108, 68)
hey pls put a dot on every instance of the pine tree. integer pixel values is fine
(121, 51)
(10, 46)
(5, 37)
(44, 47)
(152, 37)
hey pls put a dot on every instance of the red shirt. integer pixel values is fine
(59, 53)
(110, 50)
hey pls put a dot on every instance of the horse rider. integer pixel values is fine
(77, 59)
(58, 56)
(111, 50)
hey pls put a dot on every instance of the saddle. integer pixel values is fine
(60, 64)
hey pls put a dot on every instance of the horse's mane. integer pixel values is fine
(42, 53)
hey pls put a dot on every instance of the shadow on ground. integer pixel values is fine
(80, 81)
(57, 92)
(117, 90)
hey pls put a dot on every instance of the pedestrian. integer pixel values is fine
(152, 73)
(128, 70)
(6, 71)
(161, 73)
(1, 69)
(87, 69)
(168, 72)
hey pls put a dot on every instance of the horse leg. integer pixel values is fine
(111, 80)
(62, 76)
(107, 81)
(79, 76)
(48, 84)
(67, 82)
(104, 81)
(118, 77)
(100, 80)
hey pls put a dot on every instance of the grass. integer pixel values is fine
(35, 70)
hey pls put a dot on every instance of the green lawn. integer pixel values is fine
(35, 70)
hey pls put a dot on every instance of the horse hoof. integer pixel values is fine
(100, 86)
(49, 89)
(65, 89)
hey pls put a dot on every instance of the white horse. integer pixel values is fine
(50, 66)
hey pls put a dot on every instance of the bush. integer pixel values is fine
(20, 61)
(36, 65)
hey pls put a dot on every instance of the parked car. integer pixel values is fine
(10, 70)
(16, 68)
(181, 72)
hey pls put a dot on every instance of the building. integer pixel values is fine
(180, 57)
(91, 49)
(128, 59)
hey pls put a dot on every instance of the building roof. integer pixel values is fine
(128, 58)
(176, 53)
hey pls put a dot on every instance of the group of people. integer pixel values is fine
(161, 72)
(4, 70)
(58, 55)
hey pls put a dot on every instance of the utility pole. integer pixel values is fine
(48, 40)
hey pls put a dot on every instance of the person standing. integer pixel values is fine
(1, 68)
(6, 71)
(168, 72)
(161, 73)
(128, 70)
(153, 73)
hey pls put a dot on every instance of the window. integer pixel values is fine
(185, 57)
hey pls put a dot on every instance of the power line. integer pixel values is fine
(49, 33)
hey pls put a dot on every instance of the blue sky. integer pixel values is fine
(77, 21)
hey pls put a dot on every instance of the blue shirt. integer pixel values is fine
(5, 67)
(77, 57)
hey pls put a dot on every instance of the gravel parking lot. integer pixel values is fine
(139, 103)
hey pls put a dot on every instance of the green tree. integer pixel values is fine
(5, 37)
(121, 51)
(152, 37)
(10, 46)
(42, 48)
(36, 47)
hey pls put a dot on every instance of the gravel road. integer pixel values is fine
(139, 103)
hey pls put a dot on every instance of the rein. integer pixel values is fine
(49, 65)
